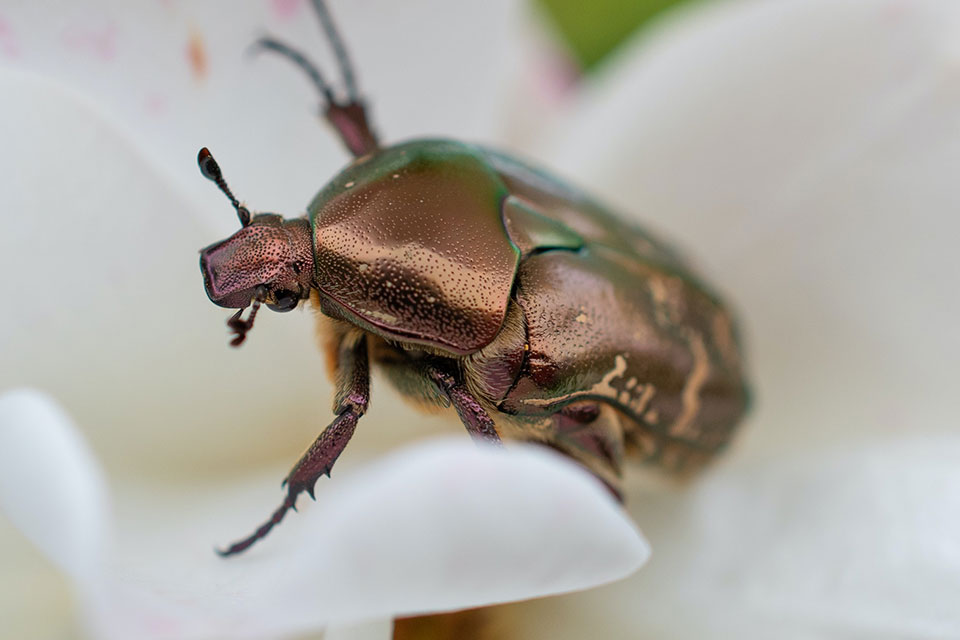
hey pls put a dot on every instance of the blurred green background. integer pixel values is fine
(593, 30)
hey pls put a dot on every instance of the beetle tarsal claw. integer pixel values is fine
(262, 530)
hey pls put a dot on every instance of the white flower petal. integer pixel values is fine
(51, 487)
(436, 527)
(853, 543)
(431, 528)
(450, 526)
(805, 153)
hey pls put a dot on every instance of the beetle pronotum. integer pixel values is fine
(472, 279)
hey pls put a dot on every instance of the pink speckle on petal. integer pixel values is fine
(100, 41)
(160, 624)
(896, 11)
(8, 42)
(155, 104)
(285, 9)
(556, 76)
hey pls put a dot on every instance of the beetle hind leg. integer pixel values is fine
(348, 117)
(591, 434)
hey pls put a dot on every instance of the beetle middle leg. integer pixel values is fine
(351, 400)
(479, 424)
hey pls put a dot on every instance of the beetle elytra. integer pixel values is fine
(473, 280)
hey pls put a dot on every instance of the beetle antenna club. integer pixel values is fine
(211, 170)
(348, 117)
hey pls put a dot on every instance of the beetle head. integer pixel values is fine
(268, 261)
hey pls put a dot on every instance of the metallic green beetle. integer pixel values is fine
(475, 281)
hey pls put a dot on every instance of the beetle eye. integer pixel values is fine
(286, 300)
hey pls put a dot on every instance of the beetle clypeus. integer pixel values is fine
(474, 280)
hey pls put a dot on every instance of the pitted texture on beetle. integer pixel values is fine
(412, 242)
(268, 252)
(653, 354)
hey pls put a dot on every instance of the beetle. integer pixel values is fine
(474, 280)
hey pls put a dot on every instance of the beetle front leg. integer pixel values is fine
(352, 397)
(351, 400)
(474, 417)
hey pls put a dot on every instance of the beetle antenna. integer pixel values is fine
(348, 117)
(211, 171)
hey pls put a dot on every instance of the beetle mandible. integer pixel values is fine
(476, 281)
